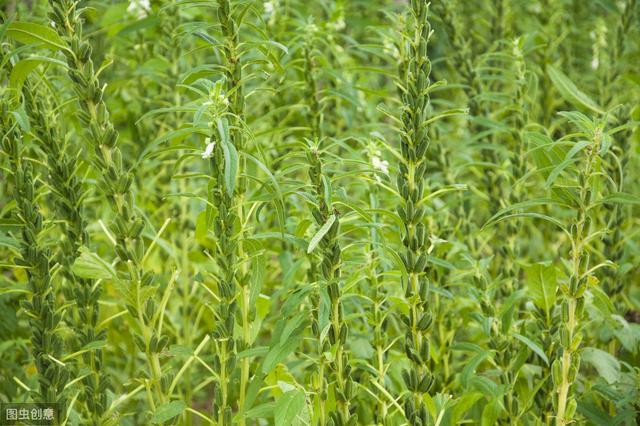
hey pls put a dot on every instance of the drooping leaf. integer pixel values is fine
(533, 346)
(620, 198)
(315, 240)
(29, 32)
(22, 68)
(569, 91)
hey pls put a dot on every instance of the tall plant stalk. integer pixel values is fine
(565, 369)
(47, 346)
(315, 274)
(229, 198)
(378, 316)
(413, 89)
(116, 184)
(69, 196)
(327, 219)
(328, 276)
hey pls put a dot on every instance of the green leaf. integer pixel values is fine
(202, 227)
(230, 158)
(594, 414)
(491, 412)
(580, 120)
(607, 365)
(288, 407)
(484, 385)
(22, 68)
(533, 346)
(28, 32)
(315, 240)
(168, 411)
(542, 285)
(470, 367)
(569, 91)
(521, 206)
(90, 265)
(7, 241)
(568, 159)
(532, 215)
(620, 198)
(279, 46)
(261, 411)
(179, 350)
(96, 344)
(601, 300)
(253, 352)
(278, 353)
(20, 115)
(151, 150)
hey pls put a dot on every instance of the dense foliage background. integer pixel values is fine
(322, 212)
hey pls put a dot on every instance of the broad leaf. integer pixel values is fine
(542, 285)
(28, 32)
(606, 364)
(288, 408)
(168, 411)
(90, 265)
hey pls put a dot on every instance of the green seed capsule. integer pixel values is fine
(139, 342)
(575, 343)
(571, 408)
(227, 416)
(565, 311)
(425, 383)
(556, 372)
(425, 321)
(343, 334)
(573, 373)
(565, 337)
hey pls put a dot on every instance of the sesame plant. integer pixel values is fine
(365, 212)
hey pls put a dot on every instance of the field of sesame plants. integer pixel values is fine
(331, 212)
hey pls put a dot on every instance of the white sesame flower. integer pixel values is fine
(223, 100)
(139, 8)
(268, 7)
(595, 63)
(53, 24)
(339, 24)
(381, 165)
(208, 151)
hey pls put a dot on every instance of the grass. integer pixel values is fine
(327, 213)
